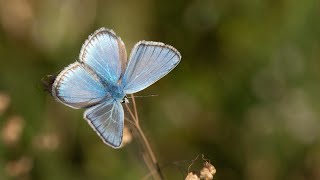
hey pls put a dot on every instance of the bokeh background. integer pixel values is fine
(246, 93)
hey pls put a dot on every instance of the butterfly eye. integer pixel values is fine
(125, 100)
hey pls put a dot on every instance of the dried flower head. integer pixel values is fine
(46, 141)
(192, 176)
(205, 174)
(19, 167)
(207, 171)
(127, 136)
(210, 167)
(12, 129)
(4, 102)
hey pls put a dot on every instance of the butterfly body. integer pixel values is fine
(117, 93)
(100, 79)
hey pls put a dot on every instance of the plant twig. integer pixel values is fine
(149, 165)
(135, 108)
(131, 114)
(149, 156)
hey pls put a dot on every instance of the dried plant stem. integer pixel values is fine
(149, 165)
(149, 157)
(135, 108)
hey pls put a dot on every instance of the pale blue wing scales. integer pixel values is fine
(149, 61)
(105, 54)
(107, 119)
(77, 88)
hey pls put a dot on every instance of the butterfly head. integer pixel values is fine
(47, 82)
(125, 100)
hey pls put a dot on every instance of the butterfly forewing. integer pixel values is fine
(95, 82)
(76, 88)
(105, 54)
(149, 61)
(107, 120)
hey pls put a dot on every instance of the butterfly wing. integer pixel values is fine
(149, 61)
(77, 88)
(107, 120)
(105, 54)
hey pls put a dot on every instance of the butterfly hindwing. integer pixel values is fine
(77, 88)
(101, 77)
(107, 119)
(105, 54)
(149, 61)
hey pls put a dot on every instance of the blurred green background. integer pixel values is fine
(246, 93)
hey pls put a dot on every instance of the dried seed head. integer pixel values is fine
(46, 141)
(192, 176)
(19, 167)
(12, 130)
(127, 136)
(4, 102)
(205, 174)
(210, 167)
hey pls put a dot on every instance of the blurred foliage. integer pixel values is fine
(246, 93)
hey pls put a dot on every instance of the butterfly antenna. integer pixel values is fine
(151, 95)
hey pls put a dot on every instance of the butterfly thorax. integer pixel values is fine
(117, 93)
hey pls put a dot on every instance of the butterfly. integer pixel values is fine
(102, 77)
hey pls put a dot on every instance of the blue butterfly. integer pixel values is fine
(101, 78)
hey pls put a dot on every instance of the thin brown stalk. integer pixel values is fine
(148, 147)
(149, 156)
(135, 108)
(148, 175)
(132, 124)
(131, 114)
(148, 162)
